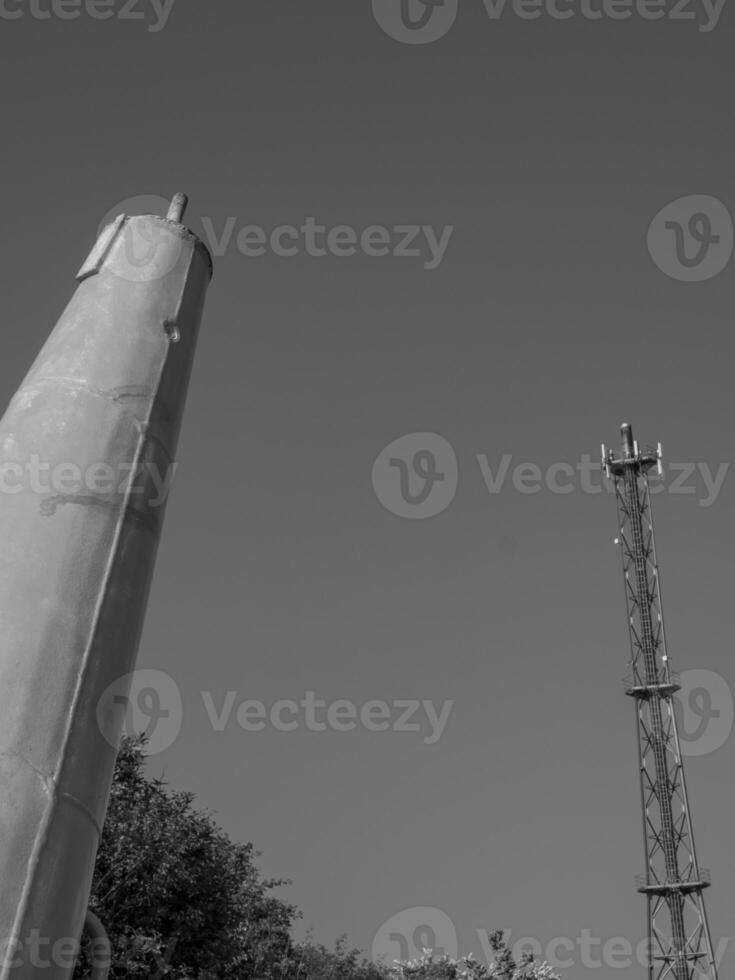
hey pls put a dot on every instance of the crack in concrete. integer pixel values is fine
(114, 395)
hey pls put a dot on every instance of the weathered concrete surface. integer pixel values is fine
(76, 563)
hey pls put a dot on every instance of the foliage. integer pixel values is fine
(503, 967)
(182, 901)
(311, 961)
(178, 898)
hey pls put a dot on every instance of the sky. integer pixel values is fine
(440, 252)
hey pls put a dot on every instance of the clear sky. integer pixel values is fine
(548, 145)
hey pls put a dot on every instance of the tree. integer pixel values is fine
(178, 898)
(181, 901)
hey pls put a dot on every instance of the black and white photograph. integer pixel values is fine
(367, 490)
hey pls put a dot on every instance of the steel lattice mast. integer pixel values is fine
(680, 946)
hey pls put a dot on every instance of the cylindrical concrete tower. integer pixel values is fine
(86, 453)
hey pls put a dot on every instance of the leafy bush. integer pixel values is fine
(503, 967)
